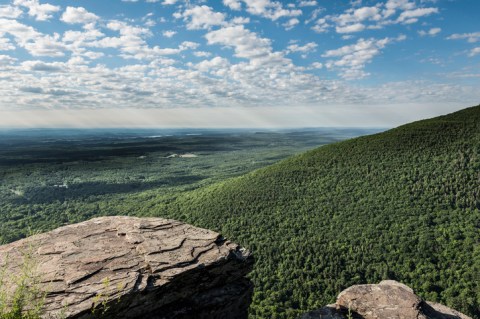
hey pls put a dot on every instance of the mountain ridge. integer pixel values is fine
(402, 204)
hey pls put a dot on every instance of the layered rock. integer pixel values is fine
(126, 267)
(389, 299)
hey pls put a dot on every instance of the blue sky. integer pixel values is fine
(236, 63)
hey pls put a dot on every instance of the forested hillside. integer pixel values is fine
(404, 205)
(49, 178)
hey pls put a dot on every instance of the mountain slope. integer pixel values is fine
(403, 204)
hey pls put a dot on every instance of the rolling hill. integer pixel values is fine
(403, 204)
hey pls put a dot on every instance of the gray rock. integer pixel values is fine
(385, 300)
(391, 299)
(126, 267)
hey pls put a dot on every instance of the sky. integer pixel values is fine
(236, 63)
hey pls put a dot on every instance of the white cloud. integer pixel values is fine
(46, 45)
(411, 16)
(35, 43)
(213, 64)
(309, 47)
(373, 17)
(43, 67)
(474, 51)
(169, 33)
(246, 43)
(272, 10)
(6, 60)
(391, 6)
(432, 32)
(22, 33)
(41, 12)
(233, 4)
(201, 17)
(154, 76)
(10, 12)
(351, 28)
(314, 15)
(470, 37)
(6, 45)
(202, 54)
(307, 3)
(352, 59)
(321, 26)
(81, 37)
(79, 15)
(290, 24)
(240, 20)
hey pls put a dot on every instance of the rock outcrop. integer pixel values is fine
(387, 300)
(126, 267)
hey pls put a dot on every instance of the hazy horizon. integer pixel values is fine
(221, 118)
(236, 63)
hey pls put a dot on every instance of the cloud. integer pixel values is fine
(411, 16)
(46, 45)
(245, 43)
(309, 47)
(201, 17)
(357, 27)
(233, 63)
(470, 37)
(432, 32)
(31, 89)
(43, 67)
(306, 3)
(233, 4)
(378, 16)
(41, 12)
(167, 2)
(352, 59)
(201, 54)
(290, 24)
(6, 60)
(80, 15)
(272, 10)
(169, 33)
(474, 51)
(35, 43)
(321, 26)
(213, 64)
(10, 12)
(6, 45)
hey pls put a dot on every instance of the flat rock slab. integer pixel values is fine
(130, 267)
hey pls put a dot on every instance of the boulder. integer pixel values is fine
(387, 300)
(127, 267)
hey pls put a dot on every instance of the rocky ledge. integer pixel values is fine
(387, 300)
(126, 267)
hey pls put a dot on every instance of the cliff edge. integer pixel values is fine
(127, 267)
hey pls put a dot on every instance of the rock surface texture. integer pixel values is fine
(387, 300)
(126, 267)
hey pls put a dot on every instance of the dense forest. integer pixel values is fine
(53, 177)
(403, 204)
